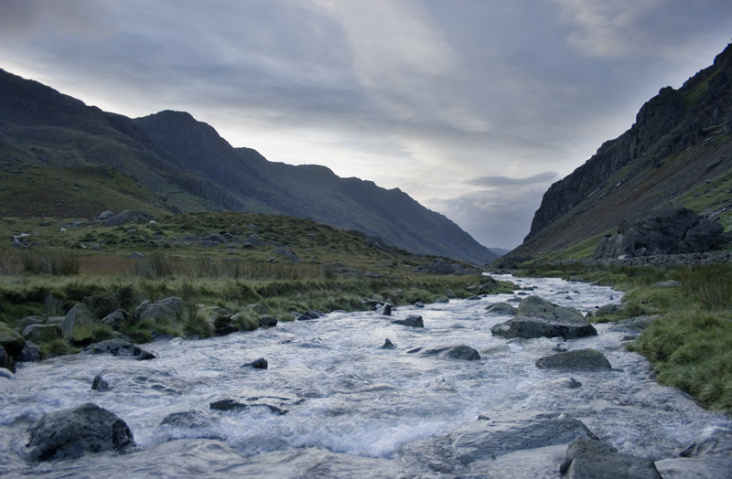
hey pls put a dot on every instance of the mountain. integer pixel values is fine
(677, 153)
(60, 157)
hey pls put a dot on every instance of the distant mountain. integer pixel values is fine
(59, 157)
(678, 153)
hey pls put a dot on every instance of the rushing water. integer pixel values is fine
(352, 408)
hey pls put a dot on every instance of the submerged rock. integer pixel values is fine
(456, 352)
(579, 360)
(413, 321)
(388, 344)
(537, 317)
(592, 459)
(119, 347)
(71, 433)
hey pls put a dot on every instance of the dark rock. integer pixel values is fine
(462, 352)
(501, 309)
(388, 344)
(287, 253)
(11, 340)
(71, 433)
(418, 304)
(223, 326)
(6, 361)
(634, 325)
(714, 441)
(267, 322)
(311, 314)
(115, 319)
(537, 317)
(31, 353)
(260, 363)
(41, 333)
(78, 324)
(579, 360)
(168, 310)
(127, 216)
(119, 347)
(385, 309)
(592, 459)
(99, 383)
(412, 321)
(608, 309)
(231, 405)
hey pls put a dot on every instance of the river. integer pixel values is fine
(333, 403)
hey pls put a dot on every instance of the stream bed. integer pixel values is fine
(334, 403)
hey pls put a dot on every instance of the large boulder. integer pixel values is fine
(78, 325)
(119, 347)
(71, 433)
(579, 360)
(537, 317)
(591, 459)
(127, 216)
(41, 333)
(662, 231)
(501, 309)
(169, 310)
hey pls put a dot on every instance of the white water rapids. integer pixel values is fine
(351, 407)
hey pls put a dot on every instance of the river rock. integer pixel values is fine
(99, 383)
(412, 320)
(169, 310)
(501, 309)
(6, 362)
(592, 459)
(115, 319)
(579, 360)
(635, 325)
(31, 353)
(119, 347)
(41, 333)
(388, 344)
(11, 340)
(311, 314)
(260, 363)
(385, 309)
(461, 351)
(78, 325)
(713, 441)
(267, 322)
(71, 433)
(536, 317)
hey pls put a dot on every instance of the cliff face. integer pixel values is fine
(677, 135)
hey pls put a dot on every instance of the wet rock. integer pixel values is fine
(461, 352)
(31, 353)
(485, 440)
(634, 325)
(385, 309)
(713, 441)
(99, 383)
(501, 309)
(607, 309)
(6, 362)
(697, 468)
(311, 314)
(388, 344)
(536, 317)
(6, 373)
(592, 459)
(260, 363)
(71, 433)
(40, 333)
(579, 360)
(119, 347)
(267, 322)
(232, 405)
(412, 321)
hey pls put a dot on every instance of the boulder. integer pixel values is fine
(501, 309)
(287, 254)
(579, 360)
(78, 325)
(254, 241)
(260, 363)
(662, 231)
(592, 459)
(168, 310)
(385, 309)
(41, 333)
(6, 362)
(311, 314)
(115, 318)
(413, 321)
(119, 347)
(127, 216)
(267, 322)
(713, 441)
(462, 351)
(536, 317)
(11, 340)
(71, 433)
(388, 344)
(31, 352)
(100, 384)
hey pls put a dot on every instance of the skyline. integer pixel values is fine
(471, 108)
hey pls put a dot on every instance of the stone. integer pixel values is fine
(31, 353)
(411, 320)
(267, 322)
(713, 441)
(169, 310)
(311, 314)
(100, 384)
(119, 347)
(42, 333)
(78, 324)
(260, 363)
(71, 433)
(6, 361)
(115, 319)
(385, 309)
(592, 459)
(501, 309)
(127, 216)
(11, 340)
(461, 351)
(536, 317)
(254, 240)
(388, 344)
(287, 253)
(579, 360)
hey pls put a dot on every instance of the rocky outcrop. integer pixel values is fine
(78, 325)
(71, 433)
(536, 317)
(590, 459)
(662, 231)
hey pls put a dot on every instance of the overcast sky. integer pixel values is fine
(472, 107)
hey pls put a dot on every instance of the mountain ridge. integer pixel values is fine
(182, 165)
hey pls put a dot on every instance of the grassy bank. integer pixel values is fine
(690, 343)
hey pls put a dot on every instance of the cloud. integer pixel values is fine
(22, 18)
(502, 181)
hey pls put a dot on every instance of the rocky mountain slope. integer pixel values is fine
(59, 157)
(677, 153)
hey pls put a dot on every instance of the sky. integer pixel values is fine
(472, 107)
